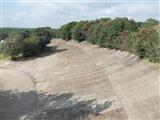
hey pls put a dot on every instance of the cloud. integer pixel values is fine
(29, 14)
(136, 11)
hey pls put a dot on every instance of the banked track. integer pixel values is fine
(79, 81)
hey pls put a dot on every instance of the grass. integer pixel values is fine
(4, 57)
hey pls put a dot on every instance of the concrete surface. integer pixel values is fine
(79, 81)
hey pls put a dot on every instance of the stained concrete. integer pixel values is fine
(79, 81)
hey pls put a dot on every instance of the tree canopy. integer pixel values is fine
(141, 38)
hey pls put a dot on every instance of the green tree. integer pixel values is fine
(90, 34)
(148, 44)
(13, 46)
(25, 34)
(150, 22)
(55, 33)
(3, 35)
(77, 32)
(45, 36)
(31, 46)
(65, 31)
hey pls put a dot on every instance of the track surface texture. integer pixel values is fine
(79, 81)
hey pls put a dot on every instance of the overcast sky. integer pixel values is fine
(36, 13)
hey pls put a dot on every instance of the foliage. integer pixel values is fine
(85, 29)
(3, 35)
(150, 22)
(26, 43)
(45, 35)
(148, 44)
(3, 57)
(31, 46)
(25, 34)
(54, 33)
(77, 32)
(141, 38)
(13, 46)
(65, 31)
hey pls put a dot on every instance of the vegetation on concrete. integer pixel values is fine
(140, 38)
(18, 43)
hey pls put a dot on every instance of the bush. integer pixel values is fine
(13, 46)
(3, 35)
(148, 44)
(2, 47)
(65, 31)
(77, 32)
(101, 34)
(150, 22)
(55, 33)
(45, 36)
(89, 36)
(26, 43)
(25, 34)
(31, 46)
(140, 38)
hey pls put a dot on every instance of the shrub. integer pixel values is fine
(90, 34)
(2, 47)
(150, 22)
(121, 33)
(77, 32)
(26, 43)
(55, 33)
(3, 35)
(99, 33)
(31, 46)
(65, 31)
(45, 35)
(148, 44)
(25, 34)
(13, 46)
(85, 29)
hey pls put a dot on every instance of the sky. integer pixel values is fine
(54, 13)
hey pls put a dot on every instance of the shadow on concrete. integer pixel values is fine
(49, 50)
(60, 106)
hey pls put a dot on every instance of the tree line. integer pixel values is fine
(140, 38)
(18, 43)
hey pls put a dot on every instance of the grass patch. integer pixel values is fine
(4, 57)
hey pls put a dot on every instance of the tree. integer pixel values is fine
(148, 44)
(90, 34)
(140, 38)
(31, 46)
(85, 29)
(3, 35)
(65, 31)
(77, 32)
(131, 25)
(25, 34)
(150, 22)
(45, 36)
(26, 43)
(101, 32)
(13, 46)
(55, 33)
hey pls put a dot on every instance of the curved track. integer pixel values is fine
(79, 81)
